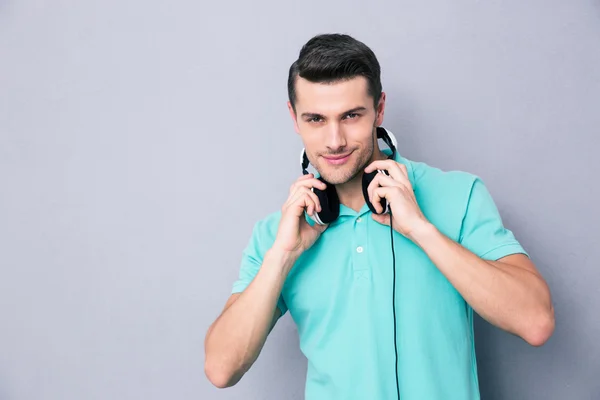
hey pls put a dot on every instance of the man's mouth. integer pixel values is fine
(337, 159)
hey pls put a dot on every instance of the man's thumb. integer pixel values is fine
(321, 228)
(383, 219)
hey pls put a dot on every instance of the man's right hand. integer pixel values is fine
(234, 341)
(295, 235)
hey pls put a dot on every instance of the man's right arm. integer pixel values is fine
(234, 341)
(236, 338)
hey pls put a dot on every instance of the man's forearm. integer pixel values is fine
(512, 298)
(235, 339)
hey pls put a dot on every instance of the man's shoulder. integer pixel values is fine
(269, 220)
(443, 195)
(264, 230)
(431, 179)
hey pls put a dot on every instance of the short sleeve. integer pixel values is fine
(482, 230)
(252, 258)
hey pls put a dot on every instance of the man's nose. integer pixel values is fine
(336, 138)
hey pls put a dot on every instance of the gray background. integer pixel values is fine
(140, 141)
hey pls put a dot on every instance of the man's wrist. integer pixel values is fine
(282, 258)
(422, 232)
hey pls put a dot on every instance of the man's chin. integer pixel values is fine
(339, 179)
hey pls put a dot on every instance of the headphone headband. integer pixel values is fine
(304, 161)
(389, 139)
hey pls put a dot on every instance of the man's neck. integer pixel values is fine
(350, 193)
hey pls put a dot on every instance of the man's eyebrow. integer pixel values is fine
(311, 115)
(317, 115)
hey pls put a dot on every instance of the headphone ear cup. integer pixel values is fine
(366, 181)
(330, 203)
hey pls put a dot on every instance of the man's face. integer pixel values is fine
(337, 125)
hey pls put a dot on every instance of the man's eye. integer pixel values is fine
(352, 115)
(314, 119)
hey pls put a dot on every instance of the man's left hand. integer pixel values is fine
(398, 192)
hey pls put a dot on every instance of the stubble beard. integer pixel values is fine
(345, 174)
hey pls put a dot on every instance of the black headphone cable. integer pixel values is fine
(394, 301)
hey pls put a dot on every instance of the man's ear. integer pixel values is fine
(293, 115)
(380, 110)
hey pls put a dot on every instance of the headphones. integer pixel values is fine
(330, 210)
(330, 202)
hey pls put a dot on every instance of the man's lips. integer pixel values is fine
(337, 159)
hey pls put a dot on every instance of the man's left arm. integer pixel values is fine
(509, 292)
(487, 265)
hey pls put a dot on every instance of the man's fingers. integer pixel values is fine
(311, 201)
(376, 196)
(385, 180)
(396, 170)
(381, 180)
(304, 198)
(382, 219)
(307, 182)
(381, 192)
(315, 199)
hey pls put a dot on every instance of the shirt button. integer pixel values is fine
(358, 219)
(359, 249)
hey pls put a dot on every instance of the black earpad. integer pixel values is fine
(330, 203)
(367, 178)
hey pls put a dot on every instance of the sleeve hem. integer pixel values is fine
(239, 287)
(503, 251)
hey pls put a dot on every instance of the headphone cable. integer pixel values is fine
(394, 301)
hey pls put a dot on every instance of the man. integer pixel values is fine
(365, 338)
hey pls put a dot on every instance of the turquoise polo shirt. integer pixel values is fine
(339, 294)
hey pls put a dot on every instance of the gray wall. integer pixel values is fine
(122, 225)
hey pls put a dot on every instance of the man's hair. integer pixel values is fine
(330, 58)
